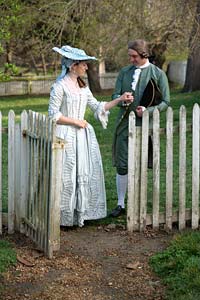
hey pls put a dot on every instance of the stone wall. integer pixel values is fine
(42, 87)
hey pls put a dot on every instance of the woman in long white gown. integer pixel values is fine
(83, 195)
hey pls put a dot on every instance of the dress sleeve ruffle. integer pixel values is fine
(102, 115)
(99, 109)
(56, 97)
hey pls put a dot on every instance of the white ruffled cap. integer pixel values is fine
(73, 53)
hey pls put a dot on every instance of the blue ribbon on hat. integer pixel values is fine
(65, 63)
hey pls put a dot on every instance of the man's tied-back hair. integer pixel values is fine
(140, 46)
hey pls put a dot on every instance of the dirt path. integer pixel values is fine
(94, 263)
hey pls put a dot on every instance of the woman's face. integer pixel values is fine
(80, 68)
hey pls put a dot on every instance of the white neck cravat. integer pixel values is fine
(136, 74)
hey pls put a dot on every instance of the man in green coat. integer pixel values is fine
(134, 78)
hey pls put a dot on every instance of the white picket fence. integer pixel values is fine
(34, 175)
(137, 216)
(34, 179)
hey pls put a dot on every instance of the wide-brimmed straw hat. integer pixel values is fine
(73, 53)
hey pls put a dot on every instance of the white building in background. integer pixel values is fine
(176, 71)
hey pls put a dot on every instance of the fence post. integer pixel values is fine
(1, 206)
(11, 171)
(169, 167)
(195, 167)
(44, 180)
(182, 167)
(143, 175)
(29, 87)
(24, 168)
(132, 206)
(156, 167)
(17, 177)
(55, 193)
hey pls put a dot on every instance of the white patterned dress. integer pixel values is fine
(83, 194)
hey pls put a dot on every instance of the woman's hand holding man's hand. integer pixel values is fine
(127, 98)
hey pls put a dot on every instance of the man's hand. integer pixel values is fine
(140, 110)
(127, 97)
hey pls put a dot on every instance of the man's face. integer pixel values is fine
(135, 58)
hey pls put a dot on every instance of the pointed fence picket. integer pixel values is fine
(195, 167)
(11, 171)
(182, 167)
(137, 216)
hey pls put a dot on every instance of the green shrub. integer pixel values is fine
(9, 70)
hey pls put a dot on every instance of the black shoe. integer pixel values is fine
(118, 211)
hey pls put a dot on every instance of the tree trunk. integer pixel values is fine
(44, 65)
(8, 53)
(34, 64)
(93, 78)
(158, 57)
(192, 82)
(8, 57)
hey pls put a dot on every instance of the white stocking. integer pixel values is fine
(121, 182)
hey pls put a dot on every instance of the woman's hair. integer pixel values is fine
(140, 46)
(81, 82)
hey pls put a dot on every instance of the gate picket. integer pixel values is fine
(11, 171)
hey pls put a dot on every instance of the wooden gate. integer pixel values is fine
(34, 179)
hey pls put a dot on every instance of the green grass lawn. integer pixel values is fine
(7, 255)
(179, 267)
(40, 104)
